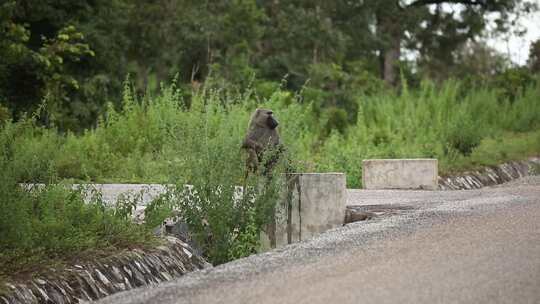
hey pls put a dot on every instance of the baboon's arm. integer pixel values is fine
(251, 144)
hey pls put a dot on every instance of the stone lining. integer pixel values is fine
(491, 175)
(97, 279)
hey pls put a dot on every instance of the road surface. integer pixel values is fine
(477, 246)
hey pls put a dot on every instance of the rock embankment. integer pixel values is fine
(491, 175)
(97, 279)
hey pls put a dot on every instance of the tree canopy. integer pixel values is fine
(70, 57)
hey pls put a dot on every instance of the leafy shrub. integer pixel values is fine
(513, 82)
(4, 114)
(225, 221)
(336, 120)
(49, 221)
(440, 121)
(463, 135)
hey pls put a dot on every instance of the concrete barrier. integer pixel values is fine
(311, 203)
(400, 174)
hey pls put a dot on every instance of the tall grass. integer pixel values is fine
(443, 122)
(168, 139)
(158, 138)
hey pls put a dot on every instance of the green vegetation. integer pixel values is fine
(74, 54)
(52, 223)
(162, 139)
(455, 126)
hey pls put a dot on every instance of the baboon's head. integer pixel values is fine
(264, 118)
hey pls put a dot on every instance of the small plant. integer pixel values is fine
(464, 136)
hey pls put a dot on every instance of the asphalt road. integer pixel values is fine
(478, 246)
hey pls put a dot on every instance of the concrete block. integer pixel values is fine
(400, 174)
(311, 204)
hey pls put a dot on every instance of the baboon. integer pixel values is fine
(263, 147)
(261, 137)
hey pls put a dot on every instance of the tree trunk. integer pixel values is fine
(389, 31)
(391, 61)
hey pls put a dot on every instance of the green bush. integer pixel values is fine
(51, 221)
(463, 135)
(4, 114)
(225, 224)
(440, 121)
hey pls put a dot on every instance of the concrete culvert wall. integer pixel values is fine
(97, 279)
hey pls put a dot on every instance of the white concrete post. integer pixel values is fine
(311, 204)
(400, 174)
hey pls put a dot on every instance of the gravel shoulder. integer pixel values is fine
(476, 246)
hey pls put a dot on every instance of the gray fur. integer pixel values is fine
(261, 136)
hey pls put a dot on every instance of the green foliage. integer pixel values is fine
(336, 119)
(50, 221)
(38, 66)
(534, 57)
(512, 82)
(4, 114)
(68, 45)
(246, 241)
(159, 138)
(444, 122)
(73, 54)
(207, 141)
(522, 115)
(494, 150)
(463, 136)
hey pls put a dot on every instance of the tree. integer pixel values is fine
(534, 57)
(34, 70)
(46, 56)
(436, 28)
(188, 37)
(478, 60)
(13, 52)
(297, 35)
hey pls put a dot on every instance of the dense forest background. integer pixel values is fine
(71, 57)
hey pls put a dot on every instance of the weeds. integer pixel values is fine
(169, 140)
(160, 139)
(50, 222)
